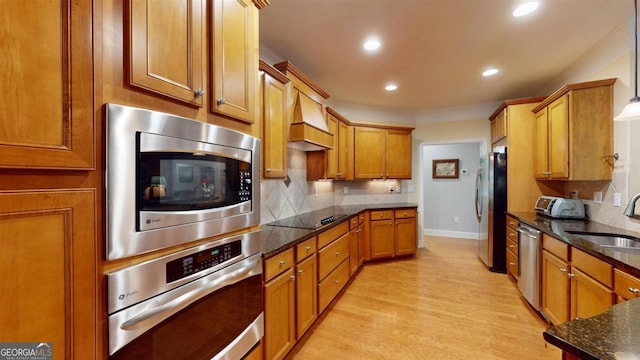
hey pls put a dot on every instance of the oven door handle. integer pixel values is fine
(181, 302)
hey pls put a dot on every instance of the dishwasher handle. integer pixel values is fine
(529, 232)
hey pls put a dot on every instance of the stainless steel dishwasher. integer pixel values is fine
(529, 248)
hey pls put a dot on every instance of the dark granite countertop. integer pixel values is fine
(614, 334)
(624, 260)
(278, 239)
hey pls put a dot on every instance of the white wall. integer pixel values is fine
(448, 199)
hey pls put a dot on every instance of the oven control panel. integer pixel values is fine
(205, 259)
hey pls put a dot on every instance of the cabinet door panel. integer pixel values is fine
(405, 236)
(306, 295)
(369, 153)
(555, 288)
(48, 270)
(541, 164)
(38, 128)
(398, 154)
(588, 297)
(279, 318)
(165, 52)
(235, 58)
(559, 138)
(274, 128)
(382, 244)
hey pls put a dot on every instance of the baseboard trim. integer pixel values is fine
(455, 234)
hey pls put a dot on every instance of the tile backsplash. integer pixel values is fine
(282, 198)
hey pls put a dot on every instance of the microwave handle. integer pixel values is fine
(175, 305)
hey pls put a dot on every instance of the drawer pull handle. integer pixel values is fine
(337, 282)
(268, 169)
(634, 291)
(281, 262)
(292, 277)
(299, 271)
(563, 270)
(511, 246)
(308, 248)
(512, 263)
(570, 275)
(337, 253)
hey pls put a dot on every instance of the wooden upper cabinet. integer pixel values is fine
(576, 122)
(234, 55)
(340, 158)
(38, 128)
(382, 153)
(166, 48)
(275, 120)
(499, 127)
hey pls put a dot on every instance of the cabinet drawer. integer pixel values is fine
(512, 244)
(405, 213)
(332, 234)
(512, 236)
(626, 286)
(594, 267)
(332, 255)
(353, 223)
(556, 247)
(331, 286)
(361, 218)
(381, 215)
(305, 248)
(512, 264)
(277, 264)
(512, 222)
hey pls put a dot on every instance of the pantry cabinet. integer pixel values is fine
(275, 119)
(568, 148)
(46, 110)
(279, 305)
(516, 132)
(48, 270)
(574, 283)
(234, 57)
(166, 48)
(382, 153)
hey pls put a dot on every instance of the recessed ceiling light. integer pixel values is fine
(526, 8)
(371, 44)
(391, 87)
(490, 72)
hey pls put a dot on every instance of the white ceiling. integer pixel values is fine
(435, 50)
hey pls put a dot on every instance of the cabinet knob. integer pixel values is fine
(547, 173)
(198, 92)
(381, 175)
(337, 253)
(511, 263)
(397, 223)
(563, 270)
(308, 248)
(362, 218)
(281, 262)
(300, 271)
(292, 277)
(634, 291)
(268, 169)
(221, 101)
(337, 282)
(570, 275)
(511, 246)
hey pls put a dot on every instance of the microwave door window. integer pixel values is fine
(182, 182)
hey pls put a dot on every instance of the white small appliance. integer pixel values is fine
(560, 208)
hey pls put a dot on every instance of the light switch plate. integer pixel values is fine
(597, 197)
(616, 199)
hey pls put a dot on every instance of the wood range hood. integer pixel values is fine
(309, 130)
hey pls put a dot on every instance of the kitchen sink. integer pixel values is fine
(613, 241)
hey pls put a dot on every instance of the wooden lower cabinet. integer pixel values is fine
(627, 287)
(306, 294)
(332, 284)
(255, 353)
(512, 265)
(48, 269)
(279, 305)
(574, 284)
(393, 233)
(555, 288)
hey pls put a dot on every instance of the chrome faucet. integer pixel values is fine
(631, 207)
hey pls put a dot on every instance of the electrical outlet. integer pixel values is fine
(392, 188)
(597, 197)
(346, 190)
(617, 201)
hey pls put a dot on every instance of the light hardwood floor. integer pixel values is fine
(442, 304)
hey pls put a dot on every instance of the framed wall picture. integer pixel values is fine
(445, 169)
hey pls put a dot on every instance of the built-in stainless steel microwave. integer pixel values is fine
(172, 180)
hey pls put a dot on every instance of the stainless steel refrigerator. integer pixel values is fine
(493, 250)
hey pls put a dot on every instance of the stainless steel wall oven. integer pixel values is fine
(200, 303)
(171, 180)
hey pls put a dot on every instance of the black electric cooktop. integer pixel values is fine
(311, 220)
